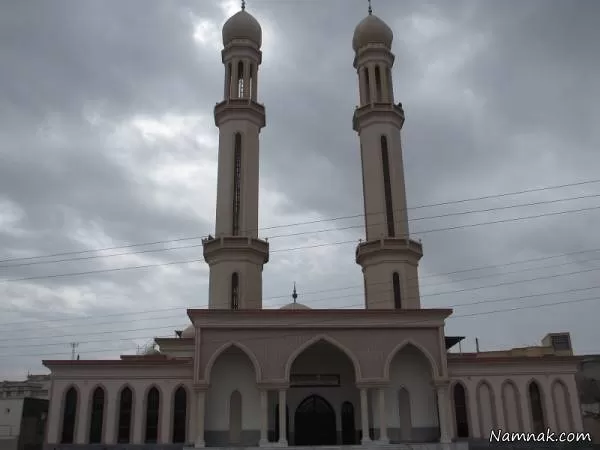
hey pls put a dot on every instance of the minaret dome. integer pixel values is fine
(242, 25)
(372, 30)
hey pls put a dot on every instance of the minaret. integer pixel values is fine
(389, 258)
(236, 255)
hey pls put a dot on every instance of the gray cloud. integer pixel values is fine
(107, 139)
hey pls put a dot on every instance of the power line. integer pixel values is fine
(320, 245)
(507, 283)
(328, 320)
(485, 197)
(301, 233)
(137, 313)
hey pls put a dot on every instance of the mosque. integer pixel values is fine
(241, 375)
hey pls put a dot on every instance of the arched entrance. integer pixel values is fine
(314, 422)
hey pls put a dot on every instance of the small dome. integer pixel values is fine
(372, 30)
(294, 305)
(242, 25)
(189, 332)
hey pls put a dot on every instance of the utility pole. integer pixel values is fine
(74, 346)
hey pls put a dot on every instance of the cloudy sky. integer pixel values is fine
(107, 140)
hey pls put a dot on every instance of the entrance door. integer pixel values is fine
(314, 422)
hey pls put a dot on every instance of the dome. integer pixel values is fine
(242, 25)
(189, 332)
(294, 305)
(372, 30)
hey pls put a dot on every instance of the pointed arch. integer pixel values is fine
(537, 411)
(493, 419)
(222, 349)
(561, 399)
(180, 414)
(513, 417)
(69, 416)
(97, 414)
(314, 340)
(126, 402)
(153, 397)
(460, 403)
(405, 343)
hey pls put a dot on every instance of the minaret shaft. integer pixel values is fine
(389, 258)
(236, 255)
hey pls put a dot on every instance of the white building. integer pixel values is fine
(366, 376)
(22, 423)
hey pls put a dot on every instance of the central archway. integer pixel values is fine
(315, 422)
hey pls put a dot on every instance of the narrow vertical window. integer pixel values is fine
(152, 409)
(237, 183)
(460, 411)
(179, 415)
(378, 83)
(537, 409)
(228, 79)
(125, 410)
(240, 75)
(97, 416)
(69, 414)
(235, 291)
(367, 86)
(387, 185)
(397, 294)
(251, 82)
(348, 424)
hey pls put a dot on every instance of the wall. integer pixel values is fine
(11, 412)
(498, 396)
(139, 379)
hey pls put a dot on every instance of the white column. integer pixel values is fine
(200, 399)
(473, 413)
(444, 413)
(525, 409)
(227, 87)
(254, 75)
(364, 416)
(165, 415)
(282, 418)
(139, 416)
(264, 418)
(499, 403)
(385, 90)
(362, 85)
(372, 83)
(109, 421)
(548, 407)
(577, 419)
(83, 417)
(53, 421)
(191, 418)
(383, 436)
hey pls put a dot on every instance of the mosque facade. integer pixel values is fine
(241, 375)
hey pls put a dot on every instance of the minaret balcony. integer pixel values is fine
(225, 248)
(385, 248)
(240, 109)
(377, 112)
